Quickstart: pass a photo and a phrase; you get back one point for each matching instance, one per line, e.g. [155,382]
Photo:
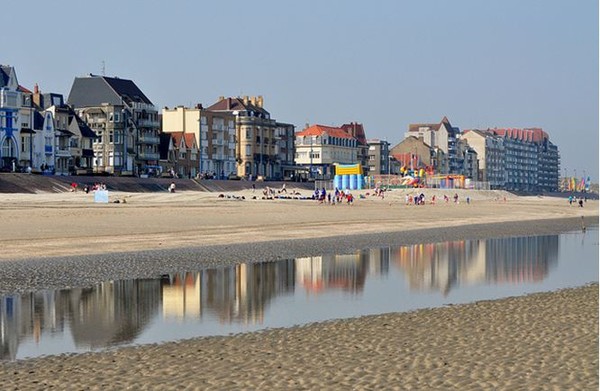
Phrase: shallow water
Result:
[254,296]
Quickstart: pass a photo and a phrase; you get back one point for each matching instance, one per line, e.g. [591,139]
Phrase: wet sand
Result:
[542,341]
[536,342]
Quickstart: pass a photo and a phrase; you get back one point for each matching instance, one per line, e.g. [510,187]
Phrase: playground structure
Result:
[349,176]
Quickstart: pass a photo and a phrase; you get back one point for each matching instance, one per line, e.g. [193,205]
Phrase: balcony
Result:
[147,123]
[9,99]
[148,155]
[148,139]
[63,152]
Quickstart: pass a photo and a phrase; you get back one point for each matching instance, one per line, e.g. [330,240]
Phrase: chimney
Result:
[245,99]
[37,96]
[221,98]
[199,106]
[253,101]
[228,103]
[260,101]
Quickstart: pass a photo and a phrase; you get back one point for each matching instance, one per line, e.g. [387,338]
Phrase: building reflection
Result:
[441,266]
[346,272]
[237,294]
[108,314]
[117,312]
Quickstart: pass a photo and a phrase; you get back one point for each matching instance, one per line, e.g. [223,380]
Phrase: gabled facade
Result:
[125,122]
[414,153]
[185,150]
[10,105]
[443,136]
[319,148]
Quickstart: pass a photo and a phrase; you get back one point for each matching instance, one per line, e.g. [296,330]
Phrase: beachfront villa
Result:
[124,120]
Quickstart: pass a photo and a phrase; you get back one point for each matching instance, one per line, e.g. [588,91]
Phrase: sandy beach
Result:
[541,341]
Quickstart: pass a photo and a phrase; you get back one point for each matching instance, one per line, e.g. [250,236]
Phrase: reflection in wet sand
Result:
[117,312]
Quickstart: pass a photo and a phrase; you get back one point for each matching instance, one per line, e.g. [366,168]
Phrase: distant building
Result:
[10,104]
[257,140]
[185,151]
[516,159]
[379,157]
[443,136]
[413,152]
[286,150]
[125,122]
[357,131]
[214,132]
[319,148]
[490,155]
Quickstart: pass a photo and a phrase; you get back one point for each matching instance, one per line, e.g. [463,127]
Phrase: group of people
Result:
[419,199]
[577,200]
[87,188]
[337,197]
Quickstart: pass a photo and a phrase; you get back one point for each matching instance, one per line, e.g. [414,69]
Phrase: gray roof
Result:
[4,75]
[94,90]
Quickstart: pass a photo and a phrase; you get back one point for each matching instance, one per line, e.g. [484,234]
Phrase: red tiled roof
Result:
[176,138]
[190,139]
[23,89]
[527,134]
[318,130]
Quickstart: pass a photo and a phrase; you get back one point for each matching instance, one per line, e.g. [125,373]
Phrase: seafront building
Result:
[319,148]
[258,137]
[516,159]
[380,160]
[442,136]
[125,122]
[214,133]
[357,130]
[10,105]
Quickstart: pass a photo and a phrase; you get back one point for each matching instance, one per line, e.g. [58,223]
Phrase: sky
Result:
[385,64]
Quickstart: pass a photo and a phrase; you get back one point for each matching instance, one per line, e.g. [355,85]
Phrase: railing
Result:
[145,139]
[147,123]
[9,99]
[63,151]
[149,155]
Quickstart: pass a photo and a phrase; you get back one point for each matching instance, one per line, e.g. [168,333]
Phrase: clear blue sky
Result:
[515,63]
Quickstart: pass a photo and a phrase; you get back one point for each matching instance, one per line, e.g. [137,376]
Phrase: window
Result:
[117,117]
[248,152]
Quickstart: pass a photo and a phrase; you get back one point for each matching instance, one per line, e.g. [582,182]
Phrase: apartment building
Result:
[490,156]
[125,122]
[215,135]
[443,136]
[256,147]
[285,136]
[319,148]
[516,159]
[379,157]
